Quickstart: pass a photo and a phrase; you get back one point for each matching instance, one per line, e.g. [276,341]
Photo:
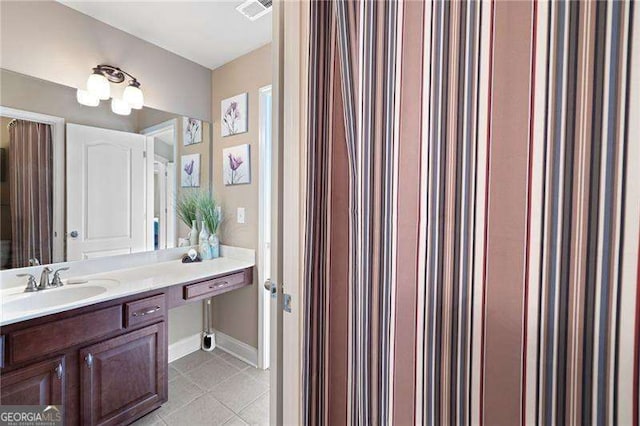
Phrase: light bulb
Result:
[86,98]
[120,107]
[133,96]
[98,86]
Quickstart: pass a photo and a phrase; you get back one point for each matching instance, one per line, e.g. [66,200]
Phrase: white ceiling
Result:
[210,33]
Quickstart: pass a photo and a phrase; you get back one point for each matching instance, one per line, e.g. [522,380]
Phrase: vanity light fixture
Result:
[99,88]
[120,106]
[86,98]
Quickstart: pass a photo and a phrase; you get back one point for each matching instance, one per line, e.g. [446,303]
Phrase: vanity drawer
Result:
[145,310]
[55,336]
[215,286]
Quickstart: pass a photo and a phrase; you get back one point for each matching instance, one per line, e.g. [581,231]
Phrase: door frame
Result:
[160,168]
[58,141]
[152,131]
[291,64]
[264,216]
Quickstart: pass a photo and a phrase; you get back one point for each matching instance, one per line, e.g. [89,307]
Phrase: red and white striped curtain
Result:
[472,229]
[31,192]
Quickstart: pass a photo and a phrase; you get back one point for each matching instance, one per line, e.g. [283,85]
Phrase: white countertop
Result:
[114,284]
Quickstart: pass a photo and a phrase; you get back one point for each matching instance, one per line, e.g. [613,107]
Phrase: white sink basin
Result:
[26,302]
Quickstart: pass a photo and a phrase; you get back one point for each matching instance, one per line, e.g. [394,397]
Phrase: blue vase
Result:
[214,242]
[205,247]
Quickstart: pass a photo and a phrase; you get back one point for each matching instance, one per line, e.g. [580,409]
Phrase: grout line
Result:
[247,405]
[202,392]
[221,385]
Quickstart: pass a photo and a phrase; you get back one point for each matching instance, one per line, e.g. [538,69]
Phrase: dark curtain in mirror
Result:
[31,189]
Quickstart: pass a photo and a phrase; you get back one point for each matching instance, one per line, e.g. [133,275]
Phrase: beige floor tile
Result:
[210,374]
[235,421]
[193,360]
[257,413]
[238,391]
[205,410]
[151,419]
[238,363]
[181,392]
[258,374]
[173,373]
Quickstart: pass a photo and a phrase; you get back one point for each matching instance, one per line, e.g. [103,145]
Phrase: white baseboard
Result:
[235,347]
[184,347]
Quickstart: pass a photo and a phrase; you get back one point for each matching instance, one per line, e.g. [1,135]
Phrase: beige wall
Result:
[50,41]
[236,313]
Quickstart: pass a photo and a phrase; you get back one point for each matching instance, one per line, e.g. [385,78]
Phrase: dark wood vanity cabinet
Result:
[123,377]
[105,363]
[41,383]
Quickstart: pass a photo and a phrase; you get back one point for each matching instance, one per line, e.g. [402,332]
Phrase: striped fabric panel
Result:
[322,52]
[368,103]
[450,148]
[472,242]
[31,189]
[576,252]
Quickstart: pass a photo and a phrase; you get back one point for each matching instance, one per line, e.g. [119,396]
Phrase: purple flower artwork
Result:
[236,165]
[190,173]
[192,131]
[234,115]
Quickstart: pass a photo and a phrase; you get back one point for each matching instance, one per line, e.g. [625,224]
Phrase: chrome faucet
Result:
[44,278]
[45,283]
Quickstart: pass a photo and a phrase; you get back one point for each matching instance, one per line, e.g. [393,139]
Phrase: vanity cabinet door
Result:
[124,377]
[41,383]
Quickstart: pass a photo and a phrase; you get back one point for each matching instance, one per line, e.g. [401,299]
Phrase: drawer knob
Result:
[149,312]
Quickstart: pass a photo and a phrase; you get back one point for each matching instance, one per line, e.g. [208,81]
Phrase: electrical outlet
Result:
[240,214]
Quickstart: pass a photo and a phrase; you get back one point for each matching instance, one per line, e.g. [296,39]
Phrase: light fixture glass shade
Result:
[133,96]
[120,107]
[98,86]
[86,98]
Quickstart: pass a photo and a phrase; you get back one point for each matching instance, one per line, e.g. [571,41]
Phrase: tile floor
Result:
[213,388]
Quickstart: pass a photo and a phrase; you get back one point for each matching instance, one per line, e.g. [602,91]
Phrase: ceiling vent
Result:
[254,9]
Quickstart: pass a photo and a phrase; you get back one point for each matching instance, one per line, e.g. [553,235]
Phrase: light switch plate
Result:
[240,214]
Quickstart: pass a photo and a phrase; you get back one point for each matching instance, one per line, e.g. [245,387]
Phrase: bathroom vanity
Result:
[104,358]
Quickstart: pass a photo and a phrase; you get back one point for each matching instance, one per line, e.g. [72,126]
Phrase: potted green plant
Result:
[187,209]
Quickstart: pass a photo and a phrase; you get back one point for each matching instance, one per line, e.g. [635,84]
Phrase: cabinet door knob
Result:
[59,370]
[89,360]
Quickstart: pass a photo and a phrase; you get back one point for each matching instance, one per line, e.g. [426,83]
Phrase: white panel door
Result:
[107,194]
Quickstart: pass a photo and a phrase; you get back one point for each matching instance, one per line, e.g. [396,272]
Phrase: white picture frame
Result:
[236,165]
[233,115]
[191,131]
[190,171]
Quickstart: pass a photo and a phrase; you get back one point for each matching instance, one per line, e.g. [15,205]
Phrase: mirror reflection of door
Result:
[107,192]
[163,193]
[164,182]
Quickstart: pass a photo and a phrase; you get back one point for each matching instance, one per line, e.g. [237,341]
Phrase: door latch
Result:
[286,302]
[270,286]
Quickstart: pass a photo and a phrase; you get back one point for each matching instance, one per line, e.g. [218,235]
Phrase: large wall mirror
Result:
[79,182]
